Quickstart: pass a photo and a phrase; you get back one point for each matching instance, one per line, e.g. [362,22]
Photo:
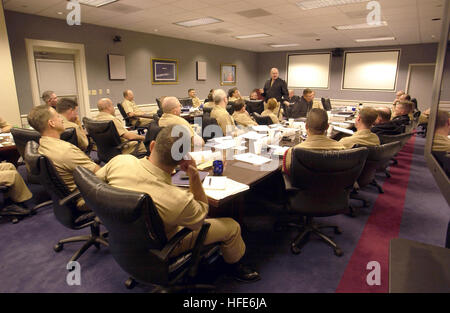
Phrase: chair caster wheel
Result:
[130,283]
[338,252]
[337,231]
[58,247]
[15,220]
[97,245]
[295,249]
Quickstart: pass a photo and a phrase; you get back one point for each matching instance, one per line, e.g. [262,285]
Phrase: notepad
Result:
[343,130]
[182,180]
[215,183]
[231,188]
[252,158]
[261,128]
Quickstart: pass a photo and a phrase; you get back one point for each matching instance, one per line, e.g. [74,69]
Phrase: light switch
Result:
[107,91]
[100,91]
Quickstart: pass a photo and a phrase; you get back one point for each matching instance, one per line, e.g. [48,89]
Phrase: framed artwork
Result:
[116,67]
[164,71]
[227,74]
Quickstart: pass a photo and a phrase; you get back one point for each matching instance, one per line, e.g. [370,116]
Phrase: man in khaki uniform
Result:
[18,191]
[68,109]
[363,136]
[133,111]
[64,155]
[177,207]
[107,113]
[441,141]
[219,112]
[316,127]
[49,97]
[171,108]
[241,115]
[195,101]
[4,126]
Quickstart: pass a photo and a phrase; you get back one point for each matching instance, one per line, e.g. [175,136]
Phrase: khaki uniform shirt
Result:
[233,99]
[223,118]
[82,139]
[177,207]
[272,115]
[169,119]
[209,104]
[244,119]
[3,124]
[441,143]
[313,142]
[65,157]
[121,130]
[196,102]
[363,137]
[131,107]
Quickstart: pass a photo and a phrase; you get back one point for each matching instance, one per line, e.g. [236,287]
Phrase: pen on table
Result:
[210,181]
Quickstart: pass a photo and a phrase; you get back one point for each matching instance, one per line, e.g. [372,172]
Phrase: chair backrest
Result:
[207,120]
[207,110]
[262,120]
[134,225]
[326,104]
[21,136]
[403,138]
[377,157]
[254,106]
[325,178]
[158,102]
[105,136]
[43,167]
[152,132]
[124,115]
[70,135]
[230,107]
[443,158]
[415,107]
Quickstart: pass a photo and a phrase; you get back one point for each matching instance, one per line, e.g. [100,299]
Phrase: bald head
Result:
[274,73]
[171,105]
[105,105]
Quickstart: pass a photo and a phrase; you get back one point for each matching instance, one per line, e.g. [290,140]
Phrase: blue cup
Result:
[217,167]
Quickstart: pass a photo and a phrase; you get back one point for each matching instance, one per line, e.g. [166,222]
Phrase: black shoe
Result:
[15,210]
[244,273]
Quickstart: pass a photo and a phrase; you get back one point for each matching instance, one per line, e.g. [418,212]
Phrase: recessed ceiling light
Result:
[360,26]
[199,22]
[252,36]
[96,3]
[375,39]
[285,45]
[316,4]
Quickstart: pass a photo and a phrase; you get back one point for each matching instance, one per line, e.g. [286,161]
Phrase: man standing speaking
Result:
[275,87]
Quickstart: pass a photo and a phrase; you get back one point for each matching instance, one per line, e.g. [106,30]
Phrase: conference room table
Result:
[8,150]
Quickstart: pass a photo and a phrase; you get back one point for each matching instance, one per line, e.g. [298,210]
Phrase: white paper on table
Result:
[232,188]
[261,128]
[343,130]
[225,145]
[252,158]
[215,183]
[220,139]
[278,150]
[252,135]
[204,156]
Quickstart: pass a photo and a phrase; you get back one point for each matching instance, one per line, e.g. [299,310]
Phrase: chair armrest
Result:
[171,244]
[199,244]
[73,196]
[126,142]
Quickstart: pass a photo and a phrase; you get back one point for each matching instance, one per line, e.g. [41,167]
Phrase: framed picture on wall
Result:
[164,71]
[227,74]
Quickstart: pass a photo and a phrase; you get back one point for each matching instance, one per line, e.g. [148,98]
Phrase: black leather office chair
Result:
[254,106]
[326,104]
[156,118]
[127,120]
[319,185]
[403,138]
[443,159]
[207,132]
[137,238]
[153,131]
[158,102]
[64,203]
[378,155]
[262,120]
[207,110]
[230,107]
[107,139]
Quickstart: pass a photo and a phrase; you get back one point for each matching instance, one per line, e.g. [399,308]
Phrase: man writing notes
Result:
[177,207]
[132,110]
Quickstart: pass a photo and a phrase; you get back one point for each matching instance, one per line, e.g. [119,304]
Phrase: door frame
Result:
[408,77]
[77,50]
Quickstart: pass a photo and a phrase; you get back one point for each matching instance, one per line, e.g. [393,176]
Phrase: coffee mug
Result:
[217,167]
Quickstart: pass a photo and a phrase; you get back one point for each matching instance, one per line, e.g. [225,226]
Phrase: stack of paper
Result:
[252,158]
[215,183]
[261,128]
[182,180]
[278,150]
[252,135]
[343,130]
[231,188]
[201,157]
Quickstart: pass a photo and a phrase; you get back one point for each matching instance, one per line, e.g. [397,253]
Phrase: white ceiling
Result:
[409,21]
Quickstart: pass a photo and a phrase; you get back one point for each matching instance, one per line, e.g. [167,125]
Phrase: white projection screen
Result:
[309,70]
[371,70]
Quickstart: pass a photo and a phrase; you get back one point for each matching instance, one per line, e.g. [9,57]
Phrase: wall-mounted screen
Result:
[309,70]
[371,70]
